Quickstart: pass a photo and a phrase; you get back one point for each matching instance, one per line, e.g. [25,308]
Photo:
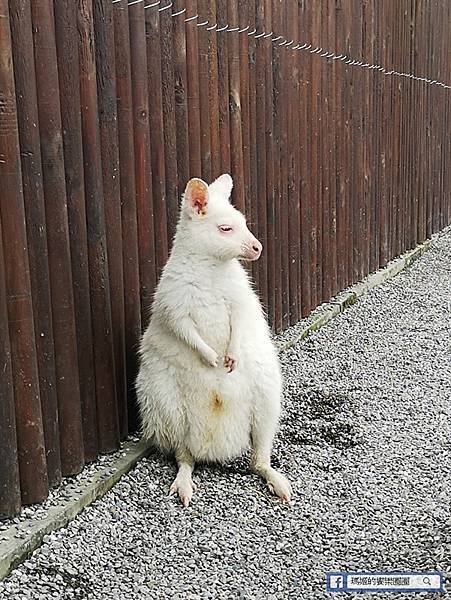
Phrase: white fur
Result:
[209,380]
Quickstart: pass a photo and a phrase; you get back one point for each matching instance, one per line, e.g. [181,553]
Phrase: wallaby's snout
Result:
[253,249]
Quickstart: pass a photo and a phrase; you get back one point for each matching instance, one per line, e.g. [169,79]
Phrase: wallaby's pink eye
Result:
[225,228]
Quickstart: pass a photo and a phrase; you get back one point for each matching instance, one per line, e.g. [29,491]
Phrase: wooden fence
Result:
[105,113]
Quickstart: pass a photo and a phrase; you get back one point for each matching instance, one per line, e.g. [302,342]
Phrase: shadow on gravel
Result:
[75,585]
[318,418]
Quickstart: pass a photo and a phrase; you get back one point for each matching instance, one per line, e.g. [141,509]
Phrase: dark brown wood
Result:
[171,146]
[208,91]
[236,134]
[27,110]
[66,30]
[340,148]
[65,339]
[261,150]
[305,199]
[253,220]
[315,282]
[29,427]
[192,75]
[283,167]
[9,465]
[381,115]
[223,88]
[149,168]
[331,109]
[271,210]
[276,289]
[107,413]
[140,32]
[209,79]
[293,162]
[243,70]
[130,256]
[181,110]
[106,93]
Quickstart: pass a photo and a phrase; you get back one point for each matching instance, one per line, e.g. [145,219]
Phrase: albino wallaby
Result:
[209,381]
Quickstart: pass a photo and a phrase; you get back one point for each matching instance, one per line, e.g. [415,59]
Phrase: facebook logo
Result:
[336,582]
[393,581]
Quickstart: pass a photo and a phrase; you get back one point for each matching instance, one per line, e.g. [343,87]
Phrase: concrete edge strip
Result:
[16,549]
[346,299]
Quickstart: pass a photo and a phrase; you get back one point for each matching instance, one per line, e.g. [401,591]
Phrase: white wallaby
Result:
[209,381]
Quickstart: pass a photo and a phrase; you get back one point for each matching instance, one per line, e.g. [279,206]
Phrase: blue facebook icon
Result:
[335,582]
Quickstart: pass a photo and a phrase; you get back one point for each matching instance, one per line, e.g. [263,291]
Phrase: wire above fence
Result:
[282,42]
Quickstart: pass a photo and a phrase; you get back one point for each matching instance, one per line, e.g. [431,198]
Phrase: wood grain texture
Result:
[16,276]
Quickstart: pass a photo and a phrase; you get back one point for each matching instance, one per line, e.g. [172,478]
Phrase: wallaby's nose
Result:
[257,248]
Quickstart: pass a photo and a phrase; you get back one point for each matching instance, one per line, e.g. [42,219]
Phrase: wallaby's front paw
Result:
[230,363]
[184,487]
[210,357]
[279,485]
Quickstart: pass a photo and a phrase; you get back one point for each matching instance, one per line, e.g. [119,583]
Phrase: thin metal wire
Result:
[326,54]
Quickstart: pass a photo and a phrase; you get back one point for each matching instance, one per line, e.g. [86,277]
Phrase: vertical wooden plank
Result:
[68,74]
[276,108]
[339,143]
[9,465]
[372,139]
[447,110]
[330,147]
[413,142]
[223,87]
[435,127]
[366,217]
[283,165]
[384,214]
[419,67]
[181,107]
[149,148]
[332,152]
[170,145]
[272,241]
[427,126]
[394,134]
[252,127]
[404,201]
[65,341]
[107,414]
[243,70]
[236,134]
[324,161]
[212,147]
[208,91]
[192,67]
[261,150]
[130,258]
[30,434]
[106,94]
[356,151]
[293,163]
[315,282]
[27,113]
[139,29]
[304,146]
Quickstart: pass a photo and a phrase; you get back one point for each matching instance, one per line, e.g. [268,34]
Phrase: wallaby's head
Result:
[215,228]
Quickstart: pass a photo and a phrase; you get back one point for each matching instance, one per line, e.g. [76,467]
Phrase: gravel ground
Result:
[365,439]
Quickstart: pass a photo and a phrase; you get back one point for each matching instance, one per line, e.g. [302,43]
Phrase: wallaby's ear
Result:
[222,185]
[195,198]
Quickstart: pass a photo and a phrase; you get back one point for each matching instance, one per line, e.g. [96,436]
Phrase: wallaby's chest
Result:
[211,313]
